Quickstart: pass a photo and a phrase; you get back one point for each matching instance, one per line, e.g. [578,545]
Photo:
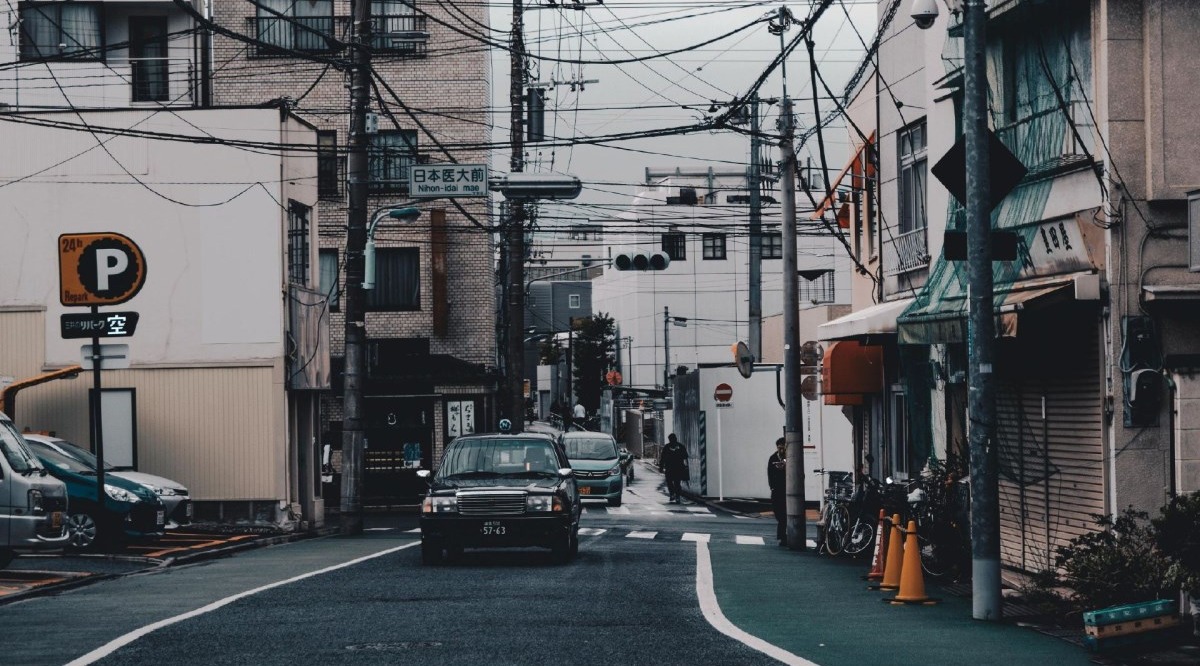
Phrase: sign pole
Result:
[97,414]
[720,462]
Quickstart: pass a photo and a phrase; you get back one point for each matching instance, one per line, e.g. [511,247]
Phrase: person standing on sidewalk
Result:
[777,481]
[673,461]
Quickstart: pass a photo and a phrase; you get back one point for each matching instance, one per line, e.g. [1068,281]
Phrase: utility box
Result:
[730,423]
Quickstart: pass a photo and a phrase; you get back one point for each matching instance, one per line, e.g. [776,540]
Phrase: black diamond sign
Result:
[1004,169]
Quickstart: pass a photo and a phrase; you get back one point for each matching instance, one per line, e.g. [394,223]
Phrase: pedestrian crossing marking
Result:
[619,510]
[692,536]
[591,531]
[382,529]
[698,509]
[749,540]
[738,515]
[415,530]
[641,535]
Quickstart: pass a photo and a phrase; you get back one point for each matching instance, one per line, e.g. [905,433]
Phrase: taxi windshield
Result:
[483,458]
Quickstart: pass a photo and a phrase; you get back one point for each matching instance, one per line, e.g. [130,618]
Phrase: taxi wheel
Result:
[565,547]
[431,552]
[6,557]
[82,530]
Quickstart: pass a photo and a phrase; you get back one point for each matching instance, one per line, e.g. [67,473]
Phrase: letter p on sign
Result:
[99,269]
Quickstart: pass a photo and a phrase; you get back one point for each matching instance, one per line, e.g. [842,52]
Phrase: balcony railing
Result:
[402,35]
[906,252]
[1045,142]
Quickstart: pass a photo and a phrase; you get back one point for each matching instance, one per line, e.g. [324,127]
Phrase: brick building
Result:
[430,319]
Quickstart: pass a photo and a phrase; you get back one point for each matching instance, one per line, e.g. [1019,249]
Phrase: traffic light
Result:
[641,261]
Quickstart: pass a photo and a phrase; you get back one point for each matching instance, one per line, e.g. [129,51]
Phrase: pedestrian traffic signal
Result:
[642,261]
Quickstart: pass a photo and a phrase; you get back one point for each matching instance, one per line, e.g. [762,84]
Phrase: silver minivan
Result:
[32,503]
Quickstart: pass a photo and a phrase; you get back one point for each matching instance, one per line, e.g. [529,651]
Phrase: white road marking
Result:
[415,530]
[738,515]
[749,540]
[692,536]
[712,612]
[641,535]
[382,529]
[121,641]
[698,509]
[619,510]
[591,531]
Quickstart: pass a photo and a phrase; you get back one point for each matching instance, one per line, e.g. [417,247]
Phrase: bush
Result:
[1119,564]
[1177,533]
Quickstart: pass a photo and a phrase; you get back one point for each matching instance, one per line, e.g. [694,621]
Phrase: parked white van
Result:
[32,503]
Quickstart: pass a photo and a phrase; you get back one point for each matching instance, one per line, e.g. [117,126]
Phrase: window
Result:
[899,444]
[328,268]
[816,286]
[772,245]
[573,301]
[61,30]
[675,245]
[328,183]
[397,27]
[390,155]
[298,215]
[584,232]
[294,25]
[397,280]
[913,174]
[713,246]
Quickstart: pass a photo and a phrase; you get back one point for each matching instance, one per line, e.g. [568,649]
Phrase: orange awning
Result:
[850,370]
[859,167]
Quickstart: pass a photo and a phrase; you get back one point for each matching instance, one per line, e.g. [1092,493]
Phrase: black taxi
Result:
[497,491]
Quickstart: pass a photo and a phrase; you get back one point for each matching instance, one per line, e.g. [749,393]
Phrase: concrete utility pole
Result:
[356,240]
[514,363]
[797,531]
[754,181]
[666,349]
[985,511]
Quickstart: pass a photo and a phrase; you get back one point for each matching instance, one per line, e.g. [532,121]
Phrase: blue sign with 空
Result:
[101,325]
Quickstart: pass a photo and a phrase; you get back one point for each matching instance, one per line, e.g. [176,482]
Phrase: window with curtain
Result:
[772,245]
[713,246]
[397,280]
[389,156]
[328,267]
[913,177]
[295,25]
[61,30]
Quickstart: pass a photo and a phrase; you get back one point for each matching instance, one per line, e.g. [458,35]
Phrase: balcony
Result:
[398,35]
[1045,142]
[906,252]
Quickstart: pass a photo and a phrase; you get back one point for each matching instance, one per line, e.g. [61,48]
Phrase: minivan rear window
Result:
[18,455]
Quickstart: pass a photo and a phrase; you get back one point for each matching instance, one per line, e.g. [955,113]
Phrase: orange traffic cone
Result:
[876,572]
[912,579]
[895,553]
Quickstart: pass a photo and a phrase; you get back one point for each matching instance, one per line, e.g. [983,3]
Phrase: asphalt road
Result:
[630,597]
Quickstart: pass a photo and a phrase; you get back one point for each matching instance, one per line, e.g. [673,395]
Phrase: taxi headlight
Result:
[433,505]
[540,503]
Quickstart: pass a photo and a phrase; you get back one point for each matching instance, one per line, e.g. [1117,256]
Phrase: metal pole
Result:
[97,414]
[754,180]
[797,531]
[514,362]
[356,240]
[981,408]
[666,349]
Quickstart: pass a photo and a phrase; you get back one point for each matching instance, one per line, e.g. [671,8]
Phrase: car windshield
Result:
[19,457]
[56,459]
[83,455]
[590,448]
[486,458]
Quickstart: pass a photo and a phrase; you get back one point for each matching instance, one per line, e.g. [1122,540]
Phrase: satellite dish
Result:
[743,359]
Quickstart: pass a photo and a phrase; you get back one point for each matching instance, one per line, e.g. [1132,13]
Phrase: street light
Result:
[406,214]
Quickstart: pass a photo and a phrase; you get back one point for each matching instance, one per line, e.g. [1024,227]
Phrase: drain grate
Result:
[392,647]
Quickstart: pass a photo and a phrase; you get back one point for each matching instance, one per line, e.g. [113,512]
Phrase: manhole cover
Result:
[392,647]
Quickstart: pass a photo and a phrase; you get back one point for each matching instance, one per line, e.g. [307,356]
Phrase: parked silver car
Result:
[32,503]
[173,494]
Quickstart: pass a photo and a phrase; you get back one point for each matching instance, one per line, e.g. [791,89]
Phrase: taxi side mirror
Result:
[423,473]
[566,472]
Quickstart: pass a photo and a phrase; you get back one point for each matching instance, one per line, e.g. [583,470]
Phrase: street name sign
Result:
[99,269]
[101,325]
[448,180]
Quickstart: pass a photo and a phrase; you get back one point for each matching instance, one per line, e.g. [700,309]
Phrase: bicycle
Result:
[834,523]
[939,532]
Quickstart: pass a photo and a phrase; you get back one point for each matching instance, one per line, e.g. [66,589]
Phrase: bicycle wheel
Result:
[937,548]
[860,537]
[837,526]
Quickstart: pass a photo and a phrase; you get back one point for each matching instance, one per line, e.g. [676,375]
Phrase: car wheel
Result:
[454,553]
[6,557]
[565,547]
[574,542]
[431,552]
[614,501]
[82,530]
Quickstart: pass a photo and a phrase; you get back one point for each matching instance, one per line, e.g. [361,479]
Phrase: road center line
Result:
[712,612]
[121,641]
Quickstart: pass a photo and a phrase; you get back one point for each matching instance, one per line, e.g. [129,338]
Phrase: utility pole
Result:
[985,511]
[666,349]
[797,530]
[754,180]
[356,240]
[514,362]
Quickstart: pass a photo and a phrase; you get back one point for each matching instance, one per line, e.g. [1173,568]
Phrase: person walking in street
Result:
[777,481]
[673,461]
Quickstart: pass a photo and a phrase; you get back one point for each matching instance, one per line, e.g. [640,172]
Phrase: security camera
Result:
[924,13]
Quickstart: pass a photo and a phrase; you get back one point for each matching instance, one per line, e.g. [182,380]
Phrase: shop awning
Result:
[849,370]
[879,319]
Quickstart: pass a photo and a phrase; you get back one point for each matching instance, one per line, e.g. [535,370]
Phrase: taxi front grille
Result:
[491,504]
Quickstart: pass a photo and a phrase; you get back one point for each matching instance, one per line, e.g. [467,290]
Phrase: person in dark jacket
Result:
[673,461]
[777,481]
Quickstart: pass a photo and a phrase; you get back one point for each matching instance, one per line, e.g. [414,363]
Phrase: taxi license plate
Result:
[585,490]
[493,528]
[56,519]
[160,517]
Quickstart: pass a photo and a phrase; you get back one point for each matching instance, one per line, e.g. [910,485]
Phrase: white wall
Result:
[215,274]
